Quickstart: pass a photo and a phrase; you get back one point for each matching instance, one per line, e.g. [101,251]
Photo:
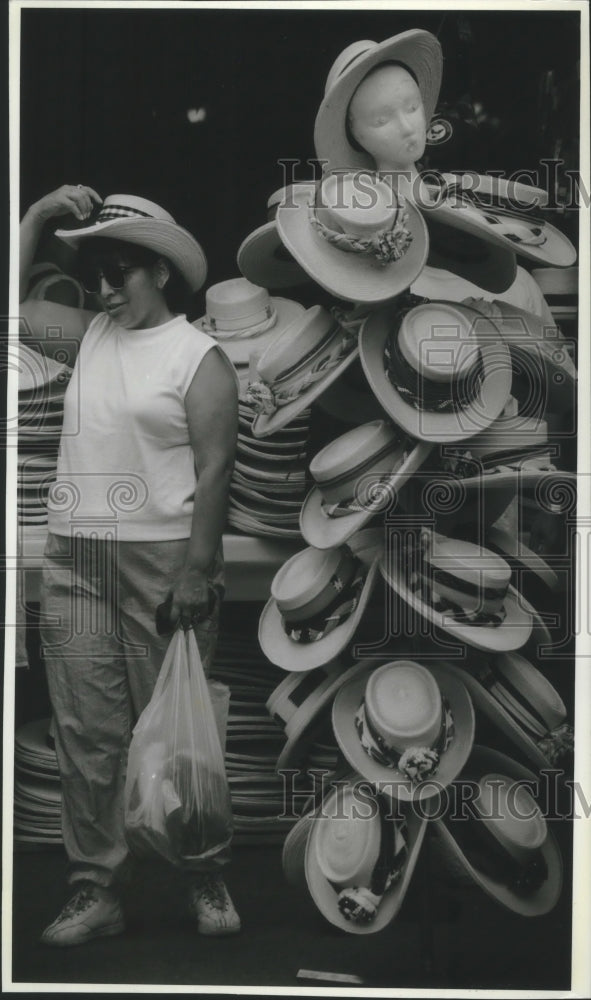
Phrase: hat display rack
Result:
[452,453]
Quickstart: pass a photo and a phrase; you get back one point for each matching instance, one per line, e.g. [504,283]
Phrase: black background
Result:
[104,95]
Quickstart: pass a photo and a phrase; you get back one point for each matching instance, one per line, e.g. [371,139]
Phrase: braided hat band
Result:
[385,246]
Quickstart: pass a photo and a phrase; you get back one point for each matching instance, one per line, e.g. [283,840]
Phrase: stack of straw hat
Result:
[269,478]
[42,384]
[37,792]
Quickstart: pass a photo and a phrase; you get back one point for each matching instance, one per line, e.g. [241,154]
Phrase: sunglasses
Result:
[114,274]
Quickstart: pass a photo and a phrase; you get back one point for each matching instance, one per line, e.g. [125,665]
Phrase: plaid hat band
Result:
[121,212]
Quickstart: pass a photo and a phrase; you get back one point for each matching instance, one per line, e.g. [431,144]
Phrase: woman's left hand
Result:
[190,598]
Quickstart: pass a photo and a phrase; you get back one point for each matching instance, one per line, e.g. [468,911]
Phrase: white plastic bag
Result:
[177,799]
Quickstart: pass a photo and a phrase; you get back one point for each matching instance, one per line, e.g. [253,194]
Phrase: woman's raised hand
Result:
[76,199]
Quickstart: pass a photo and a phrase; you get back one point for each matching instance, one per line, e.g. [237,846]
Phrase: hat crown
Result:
[352,448]
[438,340]
[470,562]
[403,704]
[511,814]
[345,59]
[283,195]
[304,575]
[299,339]
[131,206]
[346,841]
[358,203]
[236,304]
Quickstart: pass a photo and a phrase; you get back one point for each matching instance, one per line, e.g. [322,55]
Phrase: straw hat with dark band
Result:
[407,729]
[137,220]
[506,847]
[442,371]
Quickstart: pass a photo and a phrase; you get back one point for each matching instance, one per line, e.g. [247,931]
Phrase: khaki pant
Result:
[103,655]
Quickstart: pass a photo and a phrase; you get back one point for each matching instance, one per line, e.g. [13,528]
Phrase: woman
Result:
[135,519]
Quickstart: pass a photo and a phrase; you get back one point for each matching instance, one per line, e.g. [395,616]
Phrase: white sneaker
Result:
[92,912]
[210,903]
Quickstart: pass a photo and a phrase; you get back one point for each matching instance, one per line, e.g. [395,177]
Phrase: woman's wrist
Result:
[37,214]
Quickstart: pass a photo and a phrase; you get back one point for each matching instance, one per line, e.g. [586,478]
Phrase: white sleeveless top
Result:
[126,467]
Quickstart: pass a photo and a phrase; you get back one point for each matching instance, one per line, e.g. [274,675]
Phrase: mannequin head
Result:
[386,118]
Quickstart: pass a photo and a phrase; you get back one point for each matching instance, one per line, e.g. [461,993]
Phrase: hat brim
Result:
[498,715]
[291,506]
[290,655]
[252,526]
[492,395]
[557,250]
[324,532]
[486,761]
[512,634]
[350,276]
[265,513]
[265,424]
[494,271]
[263,259]
[325,896]
[417,49]
[240,350]
[514,551]
[160,235]
[483,499]
[390,780]
[244,451]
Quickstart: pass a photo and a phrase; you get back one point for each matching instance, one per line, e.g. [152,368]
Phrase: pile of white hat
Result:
[269,479]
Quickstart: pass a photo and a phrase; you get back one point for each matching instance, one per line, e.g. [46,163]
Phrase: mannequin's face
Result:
[387,118]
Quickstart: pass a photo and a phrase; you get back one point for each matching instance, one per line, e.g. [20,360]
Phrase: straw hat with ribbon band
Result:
[354,857]
[461,588]
[318,600]
[472,256]
[459,202]
[487,472]
[48,281]
[137,220]
[244,318]
[542,363]
[356,477]
[523,704]
[262,257]
[503,842]
[441,371]
[297,366]
[355,237]
[405,728]
[418,50]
